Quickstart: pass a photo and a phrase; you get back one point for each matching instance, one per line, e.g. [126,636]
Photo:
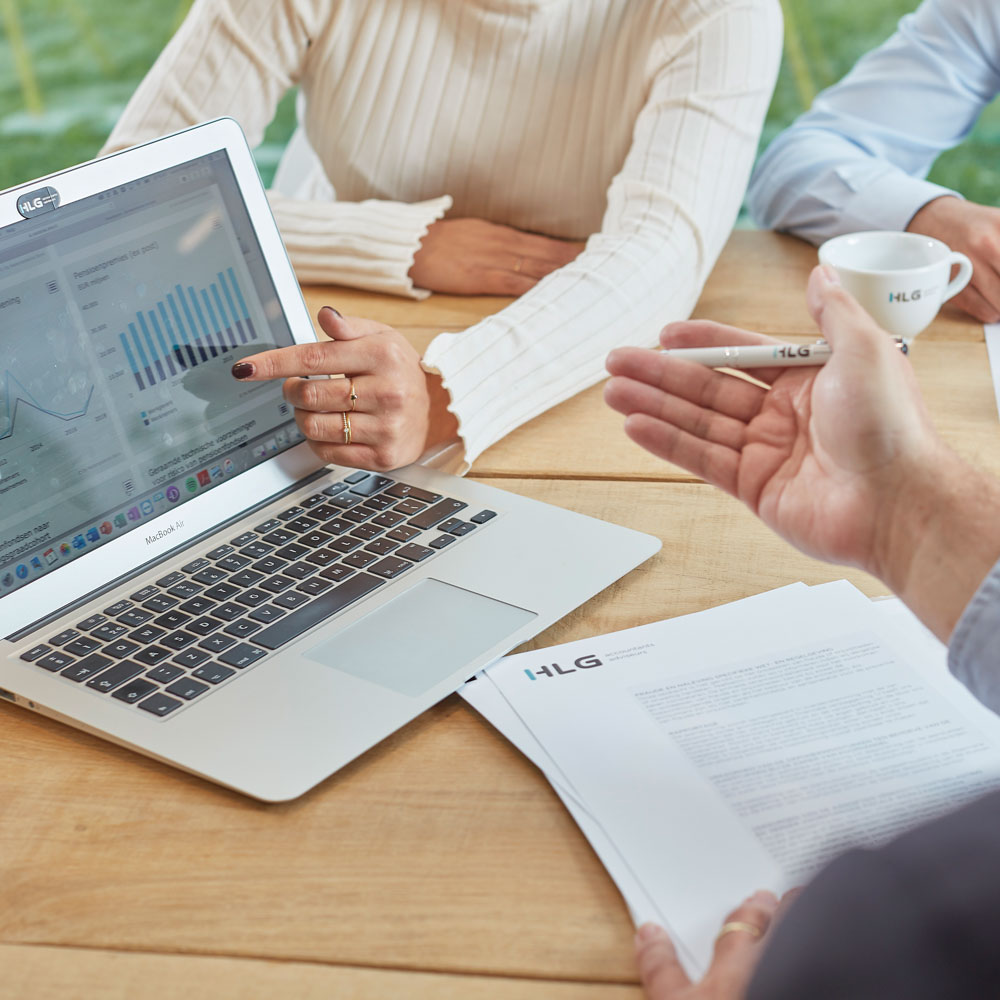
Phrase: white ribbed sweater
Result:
[631,122]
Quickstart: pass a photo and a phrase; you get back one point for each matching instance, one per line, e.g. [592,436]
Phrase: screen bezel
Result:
[42,598]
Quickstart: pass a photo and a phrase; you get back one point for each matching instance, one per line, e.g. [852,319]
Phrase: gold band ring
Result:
[519,265]
[353,396]
[739,925]
[347,428]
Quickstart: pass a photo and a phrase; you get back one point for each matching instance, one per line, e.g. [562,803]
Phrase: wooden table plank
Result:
[440,850]
[440,312]
[44,973]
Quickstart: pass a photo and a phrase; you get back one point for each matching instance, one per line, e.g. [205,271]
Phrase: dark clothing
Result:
[915,919]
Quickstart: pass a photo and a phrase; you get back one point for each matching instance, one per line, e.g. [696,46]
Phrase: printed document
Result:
[742,747]
[992,331]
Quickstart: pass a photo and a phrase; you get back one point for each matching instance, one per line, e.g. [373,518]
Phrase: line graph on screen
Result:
[15,393]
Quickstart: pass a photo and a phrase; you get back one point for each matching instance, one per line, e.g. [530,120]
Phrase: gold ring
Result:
[518,265]
[739,925]
[347,428]
[353,397]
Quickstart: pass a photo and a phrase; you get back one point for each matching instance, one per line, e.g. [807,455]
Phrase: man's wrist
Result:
[939,538]
[934,215]
[914,505]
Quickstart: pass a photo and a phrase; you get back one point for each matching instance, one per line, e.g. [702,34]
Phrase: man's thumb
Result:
[840,318]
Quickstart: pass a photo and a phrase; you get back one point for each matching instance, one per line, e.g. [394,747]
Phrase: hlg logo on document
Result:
[553,669]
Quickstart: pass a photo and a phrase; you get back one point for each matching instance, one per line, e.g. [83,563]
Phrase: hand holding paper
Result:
[737,949]
[742,747]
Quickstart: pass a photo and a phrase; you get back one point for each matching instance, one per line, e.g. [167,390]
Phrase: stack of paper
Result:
[740,748]
[992,331]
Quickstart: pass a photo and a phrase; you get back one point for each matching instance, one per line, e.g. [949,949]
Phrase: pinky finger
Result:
[355,456]
[715,463]
[976,305]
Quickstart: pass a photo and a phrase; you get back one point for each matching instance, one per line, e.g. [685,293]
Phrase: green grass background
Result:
[67,67]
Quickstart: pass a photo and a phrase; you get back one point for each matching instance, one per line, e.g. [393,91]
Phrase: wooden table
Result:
[440,864]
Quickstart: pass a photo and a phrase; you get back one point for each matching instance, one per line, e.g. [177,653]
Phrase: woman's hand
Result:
[475,257]
[400,409]
[737,949]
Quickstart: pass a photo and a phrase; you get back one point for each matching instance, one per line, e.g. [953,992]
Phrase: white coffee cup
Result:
[900,278]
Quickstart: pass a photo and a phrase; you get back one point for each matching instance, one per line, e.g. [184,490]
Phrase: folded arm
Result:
[857,159]
[670,210]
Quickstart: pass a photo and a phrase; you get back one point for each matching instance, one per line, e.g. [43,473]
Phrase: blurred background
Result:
[67,67]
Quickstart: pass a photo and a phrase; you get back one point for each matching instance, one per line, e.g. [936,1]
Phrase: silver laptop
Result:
[178,572]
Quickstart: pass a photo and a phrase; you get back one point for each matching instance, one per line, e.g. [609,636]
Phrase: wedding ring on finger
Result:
[732,926]
[347,428]
[352,396]
[519,265]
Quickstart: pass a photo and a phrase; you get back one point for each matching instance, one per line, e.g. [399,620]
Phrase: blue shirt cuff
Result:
[886,202]
[974,650]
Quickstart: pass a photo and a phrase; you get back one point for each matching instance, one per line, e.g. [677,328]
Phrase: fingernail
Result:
[830,274]
[647,933]
[243,369]
[336,312]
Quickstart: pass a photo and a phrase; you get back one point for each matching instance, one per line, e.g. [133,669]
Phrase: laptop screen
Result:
[120,317]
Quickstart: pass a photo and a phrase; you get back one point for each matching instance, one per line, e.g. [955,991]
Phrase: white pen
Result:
[762,355]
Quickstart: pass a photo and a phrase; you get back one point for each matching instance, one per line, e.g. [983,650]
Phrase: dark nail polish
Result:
[336,312]
[243,369]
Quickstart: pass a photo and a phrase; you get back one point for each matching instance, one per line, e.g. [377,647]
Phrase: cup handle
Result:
[963,277]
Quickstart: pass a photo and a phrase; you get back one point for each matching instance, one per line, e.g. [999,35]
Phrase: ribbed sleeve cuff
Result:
[522,361]
[367,244]
[551,343]
[973,650]
[472,386]
[890,202]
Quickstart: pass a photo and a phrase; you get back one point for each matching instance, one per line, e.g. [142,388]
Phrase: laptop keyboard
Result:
[177,639]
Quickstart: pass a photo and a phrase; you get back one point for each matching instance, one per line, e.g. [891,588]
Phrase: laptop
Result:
[179,573]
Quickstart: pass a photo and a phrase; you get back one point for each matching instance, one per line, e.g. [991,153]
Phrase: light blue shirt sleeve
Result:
[974,650]
[857,160]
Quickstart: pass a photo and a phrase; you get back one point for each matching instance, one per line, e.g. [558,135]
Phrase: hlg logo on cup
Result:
[912,296]
[40,200]
[553,669]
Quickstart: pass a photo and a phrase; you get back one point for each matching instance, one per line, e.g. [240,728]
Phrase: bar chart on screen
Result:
[166,307]
[185,328]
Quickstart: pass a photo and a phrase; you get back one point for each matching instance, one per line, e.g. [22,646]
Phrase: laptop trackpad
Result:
[417,639]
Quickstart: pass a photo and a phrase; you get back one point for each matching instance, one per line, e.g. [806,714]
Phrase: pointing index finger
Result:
[322,358]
